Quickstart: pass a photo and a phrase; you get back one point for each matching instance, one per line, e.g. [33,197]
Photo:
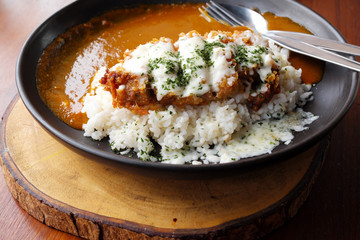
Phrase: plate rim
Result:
[272,157]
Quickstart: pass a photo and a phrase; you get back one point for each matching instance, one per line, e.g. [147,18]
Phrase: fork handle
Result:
[313,51]
[320,42]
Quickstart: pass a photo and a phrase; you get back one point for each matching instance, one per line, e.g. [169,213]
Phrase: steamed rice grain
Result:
[222,131]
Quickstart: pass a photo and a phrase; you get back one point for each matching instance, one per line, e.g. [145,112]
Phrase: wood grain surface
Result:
[99,200]
[332,210]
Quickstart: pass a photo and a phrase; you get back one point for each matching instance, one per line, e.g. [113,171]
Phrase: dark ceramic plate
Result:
[333,95]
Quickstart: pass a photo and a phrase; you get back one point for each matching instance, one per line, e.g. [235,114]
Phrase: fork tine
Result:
[218,15]
[226,14]
[212,13]
[205,14]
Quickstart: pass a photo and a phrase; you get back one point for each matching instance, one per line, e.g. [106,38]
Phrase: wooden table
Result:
[332,209]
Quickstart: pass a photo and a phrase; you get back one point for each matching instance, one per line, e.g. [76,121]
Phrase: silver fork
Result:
[302,43]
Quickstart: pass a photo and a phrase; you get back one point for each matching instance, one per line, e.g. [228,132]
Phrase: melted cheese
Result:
[195,64]
[152,60]
[223,66]
[262,137]
[194,67]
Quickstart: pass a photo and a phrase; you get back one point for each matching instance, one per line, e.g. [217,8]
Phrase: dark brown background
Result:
[332,210]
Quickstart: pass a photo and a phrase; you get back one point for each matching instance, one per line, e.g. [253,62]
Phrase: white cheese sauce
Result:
[194,67]
[222,64]
[158,61]
[195,64]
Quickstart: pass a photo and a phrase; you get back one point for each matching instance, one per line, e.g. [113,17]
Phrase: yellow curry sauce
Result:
[312,68]
[68,64]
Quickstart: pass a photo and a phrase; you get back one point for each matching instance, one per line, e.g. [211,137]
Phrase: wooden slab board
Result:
[94,200]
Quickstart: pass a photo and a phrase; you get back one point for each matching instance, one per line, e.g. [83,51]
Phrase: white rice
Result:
[223,131]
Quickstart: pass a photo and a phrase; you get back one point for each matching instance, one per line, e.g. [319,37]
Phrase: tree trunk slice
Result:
[94,200]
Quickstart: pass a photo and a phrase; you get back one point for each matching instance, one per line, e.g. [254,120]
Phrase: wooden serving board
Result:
[94,200]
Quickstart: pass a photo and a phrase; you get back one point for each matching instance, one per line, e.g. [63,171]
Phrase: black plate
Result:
[333,95]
